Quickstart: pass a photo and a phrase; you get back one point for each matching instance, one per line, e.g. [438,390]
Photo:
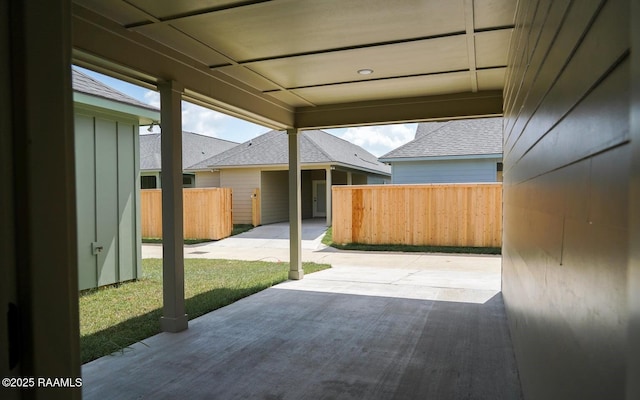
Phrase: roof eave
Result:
[318,165]
[145,115]
[440,158]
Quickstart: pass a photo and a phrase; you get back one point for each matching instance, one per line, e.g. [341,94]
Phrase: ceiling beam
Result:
[107,45]
[471,43]
[171,18]
[345,48]
[443,107]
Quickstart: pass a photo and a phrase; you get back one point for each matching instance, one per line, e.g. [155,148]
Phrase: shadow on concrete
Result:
[290,344]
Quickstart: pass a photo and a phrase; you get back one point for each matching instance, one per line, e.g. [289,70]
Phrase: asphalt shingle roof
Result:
[83,83]
[316,147]
[195,148]
[452,138]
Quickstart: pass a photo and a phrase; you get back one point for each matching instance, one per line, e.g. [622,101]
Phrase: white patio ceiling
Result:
[295,63]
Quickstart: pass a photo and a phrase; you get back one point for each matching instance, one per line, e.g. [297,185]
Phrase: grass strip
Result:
[328,241]
[114,317]
[237,228]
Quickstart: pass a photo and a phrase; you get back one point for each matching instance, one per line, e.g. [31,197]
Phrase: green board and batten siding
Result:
[107,179]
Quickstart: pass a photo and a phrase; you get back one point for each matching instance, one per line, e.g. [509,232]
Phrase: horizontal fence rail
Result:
[464,215]
[207,213]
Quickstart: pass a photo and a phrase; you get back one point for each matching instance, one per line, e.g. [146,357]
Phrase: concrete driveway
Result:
[424,276]
[264,237]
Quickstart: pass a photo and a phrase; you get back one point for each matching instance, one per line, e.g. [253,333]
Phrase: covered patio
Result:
[402,330]
[565,75]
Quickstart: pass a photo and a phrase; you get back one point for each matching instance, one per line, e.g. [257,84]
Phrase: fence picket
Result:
[437,215]
[207,213]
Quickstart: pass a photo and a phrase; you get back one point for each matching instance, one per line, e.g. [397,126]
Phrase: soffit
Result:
[264,60]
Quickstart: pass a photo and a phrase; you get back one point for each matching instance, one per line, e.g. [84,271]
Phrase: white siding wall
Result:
[445,171]
[275,196]
[207,179]
[242,181]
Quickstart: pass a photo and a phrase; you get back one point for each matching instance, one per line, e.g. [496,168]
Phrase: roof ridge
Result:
[209,137]
[415,139]
[443,124]
[239,149]
[374,163]
[346,141]
[317,146]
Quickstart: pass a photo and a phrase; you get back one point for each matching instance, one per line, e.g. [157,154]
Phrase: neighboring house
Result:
[262,164]
[195,148]
[107,173]
[455,151]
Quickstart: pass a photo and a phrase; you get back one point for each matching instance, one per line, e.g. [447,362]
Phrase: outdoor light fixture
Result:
[365,71]
[150,129]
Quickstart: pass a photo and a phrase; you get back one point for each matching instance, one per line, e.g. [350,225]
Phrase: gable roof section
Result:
[316,147]
[195,148]
[456,138]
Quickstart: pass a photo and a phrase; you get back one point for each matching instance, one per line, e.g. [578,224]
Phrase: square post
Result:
[295,207]
[38,224]
[633,289]
[328,196]
[174,318]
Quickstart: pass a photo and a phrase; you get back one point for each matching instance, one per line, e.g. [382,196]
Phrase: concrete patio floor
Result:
[374,326]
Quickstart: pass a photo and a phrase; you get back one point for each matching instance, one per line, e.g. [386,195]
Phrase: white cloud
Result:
[207,122]
[377,140]
[380,139]
[152,98]
[201,120]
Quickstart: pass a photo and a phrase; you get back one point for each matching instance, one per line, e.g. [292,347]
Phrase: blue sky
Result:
[378,140]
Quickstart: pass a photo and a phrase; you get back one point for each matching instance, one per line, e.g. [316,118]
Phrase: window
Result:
[148,182]
[188,181]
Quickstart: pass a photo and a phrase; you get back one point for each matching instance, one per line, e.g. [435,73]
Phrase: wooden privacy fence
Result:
[466,215]
[207,213]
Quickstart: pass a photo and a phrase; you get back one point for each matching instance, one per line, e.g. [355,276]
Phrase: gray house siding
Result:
[207,179]
[445,171]
[371,180]
[566,202]
[275,200]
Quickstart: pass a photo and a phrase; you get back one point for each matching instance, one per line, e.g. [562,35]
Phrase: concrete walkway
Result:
[374,326]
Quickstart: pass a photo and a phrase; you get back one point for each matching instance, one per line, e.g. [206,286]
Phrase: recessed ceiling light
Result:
[365,71]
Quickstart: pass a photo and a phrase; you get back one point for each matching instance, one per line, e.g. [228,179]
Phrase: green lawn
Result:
[328,240]
[112,318]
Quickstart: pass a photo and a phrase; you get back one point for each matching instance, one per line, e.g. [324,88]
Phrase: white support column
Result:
[329,195]
[349,178]
[295,207]
[173,318]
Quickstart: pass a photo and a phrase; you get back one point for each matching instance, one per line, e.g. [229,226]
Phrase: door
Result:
[319,192]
